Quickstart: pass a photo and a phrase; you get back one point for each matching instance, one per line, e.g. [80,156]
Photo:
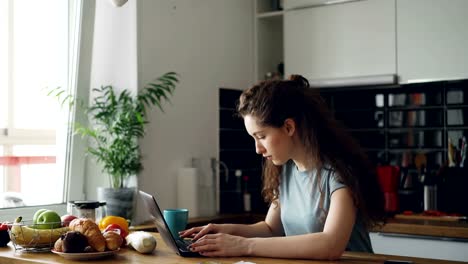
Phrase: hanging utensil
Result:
[420,160]
[463,152]
[451,153]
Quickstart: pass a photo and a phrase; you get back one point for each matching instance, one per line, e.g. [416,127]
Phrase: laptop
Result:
[178,245]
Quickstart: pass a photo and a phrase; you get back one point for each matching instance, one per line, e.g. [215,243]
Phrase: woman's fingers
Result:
[199,242]
[199,231]
[219,244]
[204,245]
[190,232]
[203,232]
[208,237]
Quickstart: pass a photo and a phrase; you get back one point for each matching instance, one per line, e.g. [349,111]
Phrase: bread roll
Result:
[58,245]
[91,230]
[113,240]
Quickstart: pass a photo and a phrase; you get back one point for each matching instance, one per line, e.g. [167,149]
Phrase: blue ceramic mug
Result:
[176,219]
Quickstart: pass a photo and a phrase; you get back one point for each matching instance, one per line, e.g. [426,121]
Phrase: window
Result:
[3,68]
[38,47]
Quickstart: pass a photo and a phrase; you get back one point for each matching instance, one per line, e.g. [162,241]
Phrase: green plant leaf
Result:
[116,120]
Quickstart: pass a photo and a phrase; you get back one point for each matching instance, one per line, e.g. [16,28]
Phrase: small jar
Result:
[101,212]
[85,209]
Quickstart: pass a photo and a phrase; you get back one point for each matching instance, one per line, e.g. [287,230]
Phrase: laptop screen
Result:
[157,217]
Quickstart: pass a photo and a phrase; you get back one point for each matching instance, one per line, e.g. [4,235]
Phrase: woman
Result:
[322,191]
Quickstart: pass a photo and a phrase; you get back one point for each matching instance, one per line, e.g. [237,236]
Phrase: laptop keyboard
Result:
[183,244]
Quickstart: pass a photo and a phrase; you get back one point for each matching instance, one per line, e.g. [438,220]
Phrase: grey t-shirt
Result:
[301,213]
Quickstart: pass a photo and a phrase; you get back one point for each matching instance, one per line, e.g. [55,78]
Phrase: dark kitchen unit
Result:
[240,188]
[411,127]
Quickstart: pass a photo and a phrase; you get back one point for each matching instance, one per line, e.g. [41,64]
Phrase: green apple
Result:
[47,220]
[36,215]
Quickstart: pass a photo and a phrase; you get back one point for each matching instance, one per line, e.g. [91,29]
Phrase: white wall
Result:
[210,44]
[114,62]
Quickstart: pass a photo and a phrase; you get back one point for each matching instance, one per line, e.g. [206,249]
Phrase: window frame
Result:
[74,160]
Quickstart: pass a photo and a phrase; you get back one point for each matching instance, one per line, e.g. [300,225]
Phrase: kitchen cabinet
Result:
[268,39]
[419,246]
[342,40]
[432,40]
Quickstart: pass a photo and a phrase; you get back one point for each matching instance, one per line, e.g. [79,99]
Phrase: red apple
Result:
[66,219]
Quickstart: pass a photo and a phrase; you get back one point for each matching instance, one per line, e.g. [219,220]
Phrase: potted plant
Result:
[116,121]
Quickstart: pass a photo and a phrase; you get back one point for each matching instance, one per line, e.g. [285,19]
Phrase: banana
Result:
[26,236]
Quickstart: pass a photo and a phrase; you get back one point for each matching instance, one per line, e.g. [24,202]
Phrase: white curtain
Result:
[81,42]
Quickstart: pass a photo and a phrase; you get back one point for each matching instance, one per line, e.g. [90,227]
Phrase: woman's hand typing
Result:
[199,231]
[220,244]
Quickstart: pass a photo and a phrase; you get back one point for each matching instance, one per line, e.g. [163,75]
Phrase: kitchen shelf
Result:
[457,127]
[267,6]
[415,107]
[414,128]
[271,14]
[456,106]
[390,149]
[375,126]
[268,40]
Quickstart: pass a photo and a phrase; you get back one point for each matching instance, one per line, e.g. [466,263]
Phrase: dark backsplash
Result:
[394,124]
[398,125]
[391,122]
[237,151]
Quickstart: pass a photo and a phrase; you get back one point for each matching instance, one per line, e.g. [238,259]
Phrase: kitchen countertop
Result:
[163,254]
[430,228]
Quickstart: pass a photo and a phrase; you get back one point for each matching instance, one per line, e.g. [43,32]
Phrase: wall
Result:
[210,44]
[114,62]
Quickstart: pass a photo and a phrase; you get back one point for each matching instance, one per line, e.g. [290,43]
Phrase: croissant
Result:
[91,230]
[113,240]
[58,245]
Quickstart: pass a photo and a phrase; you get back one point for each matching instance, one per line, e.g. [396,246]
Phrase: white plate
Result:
[85,256]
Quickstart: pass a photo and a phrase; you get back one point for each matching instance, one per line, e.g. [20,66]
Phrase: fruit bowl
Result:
[27,236]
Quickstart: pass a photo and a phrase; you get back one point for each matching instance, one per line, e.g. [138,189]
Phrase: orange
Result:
[111,219]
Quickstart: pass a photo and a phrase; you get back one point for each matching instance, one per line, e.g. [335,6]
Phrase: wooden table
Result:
[163,254]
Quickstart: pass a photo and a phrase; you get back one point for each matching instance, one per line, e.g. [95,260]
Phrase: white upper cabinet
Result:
[342,40]
[432,40]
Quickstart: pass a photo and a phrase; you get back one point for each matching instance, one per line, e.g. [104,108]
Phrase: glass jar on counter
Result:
[93,210]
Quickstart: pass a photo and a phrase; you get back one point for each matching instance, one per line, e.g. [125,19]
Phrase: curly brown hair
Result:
[324,138]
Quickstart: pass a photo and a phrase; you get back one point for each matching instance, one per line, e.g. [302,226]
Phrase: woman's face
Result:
[272,143]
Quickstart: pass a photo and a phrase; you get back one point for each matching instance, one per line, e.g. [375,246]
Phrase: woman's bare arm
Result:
[329,244]
[270,227]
